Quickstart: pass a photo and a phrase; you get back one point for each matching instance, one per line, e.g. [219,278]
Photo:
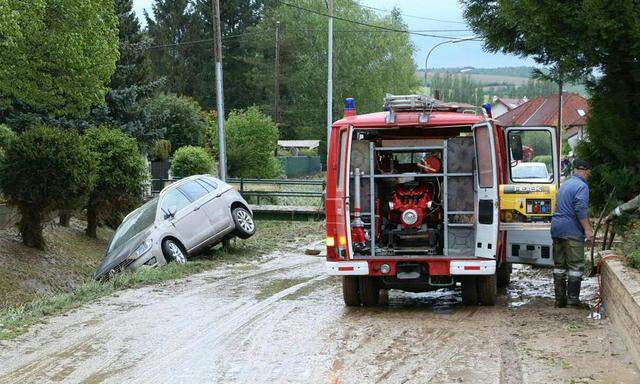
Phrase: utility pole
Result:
[276,85]
[559,122]
[330,74]
[217,51]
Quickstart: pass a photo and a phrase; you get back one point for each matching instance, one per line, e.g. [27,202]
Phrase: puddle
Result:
[530,284]
[441,301]
[275,286]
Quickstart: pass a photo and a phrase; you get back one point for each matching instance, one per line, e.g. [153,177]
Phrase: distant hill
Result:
[496,78]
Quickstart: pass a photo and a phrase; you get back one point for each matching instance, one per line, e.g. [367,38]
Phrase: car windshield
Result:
[139,220]
[530,172]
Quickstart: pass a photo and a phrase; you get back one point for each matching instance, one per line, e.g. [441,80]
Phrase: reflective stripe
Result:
[558,271]
[575,273]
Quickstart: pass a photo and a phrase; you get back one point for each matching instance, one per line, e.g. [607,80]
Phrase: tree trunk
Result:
[30,227]
[92,221]
[64,217]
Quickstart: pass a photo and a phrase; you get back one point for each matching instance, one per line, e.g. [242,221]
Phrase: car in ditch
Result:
[187,217]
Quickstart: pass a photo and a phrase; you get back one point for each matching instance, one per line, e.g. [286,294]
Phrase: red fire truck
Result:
[426,195]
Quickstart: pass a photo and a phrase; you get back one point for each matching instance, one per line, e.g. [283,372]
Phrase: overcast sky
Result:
[449,55]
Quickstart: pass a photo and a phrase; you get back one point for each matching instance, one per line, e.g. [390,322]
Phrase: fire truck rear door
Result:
[486,241]
[530,195]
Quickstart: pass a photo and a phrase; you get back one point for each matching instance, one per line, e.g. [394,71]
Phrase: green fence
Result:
[296,166]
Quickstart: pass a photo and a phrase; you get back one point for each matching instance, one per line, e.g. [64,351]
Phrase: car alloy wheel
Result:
[175,252]
[245,220]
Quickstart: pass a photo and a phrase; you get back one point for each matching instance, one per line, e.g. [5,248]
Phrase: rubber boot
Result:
[573,291]
[560,285]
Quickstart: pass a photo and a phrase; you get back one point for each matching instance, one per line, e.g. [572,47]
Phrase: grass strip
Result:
[273,235]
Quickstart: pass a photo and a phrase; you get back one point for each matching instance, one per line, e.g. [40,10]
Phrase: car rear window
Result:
[193,190]
[208,184]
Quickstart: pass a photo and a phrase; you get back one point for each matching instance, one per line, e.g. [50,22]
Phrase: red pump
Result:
[410,205]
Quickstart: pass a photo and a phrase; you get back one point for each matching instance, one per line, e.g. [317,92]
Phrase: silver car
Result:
[188,216]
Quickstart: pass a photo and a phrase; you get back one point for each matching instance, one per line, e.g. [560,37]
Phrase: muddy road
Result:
[283,321]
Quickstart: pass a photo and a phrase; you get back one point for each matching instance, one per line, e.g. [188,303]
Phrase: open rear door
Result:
[487,192]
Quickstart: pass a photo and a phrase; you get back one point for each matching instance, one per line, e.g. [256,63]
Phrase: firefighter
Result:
[570,228]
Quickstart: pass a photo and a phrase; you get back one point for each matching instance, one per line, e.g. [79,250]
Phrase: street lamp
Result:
[426,61]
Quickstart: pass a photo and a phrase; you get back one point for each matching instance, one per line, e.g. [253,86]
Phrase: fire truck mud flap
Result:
[347,268]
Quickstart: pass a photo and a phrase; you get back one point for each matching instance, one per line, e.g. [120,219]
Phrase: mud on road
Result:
[283,321]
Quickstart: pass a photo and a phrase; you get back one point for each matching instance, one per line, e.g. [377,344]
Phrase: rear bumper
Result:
[437,267]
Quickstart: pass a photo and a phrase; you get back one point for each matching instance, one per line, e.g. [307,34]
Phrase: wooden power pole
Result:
[276,85]
[217,51]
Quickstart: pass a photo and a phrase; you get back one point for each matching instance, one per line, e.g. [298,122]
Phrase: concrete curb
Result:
[621,294]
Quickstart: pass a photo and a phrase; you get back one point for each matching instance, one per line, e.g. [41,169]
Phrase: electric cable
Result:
[412,16]
[362,23]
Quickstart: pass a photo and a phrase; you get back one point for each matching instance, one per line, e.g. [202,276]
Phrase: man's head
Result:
[582,168]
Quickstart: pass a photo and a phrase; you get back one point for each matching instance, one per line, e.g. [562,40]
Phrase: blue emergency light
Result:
[487,108]
[349,104]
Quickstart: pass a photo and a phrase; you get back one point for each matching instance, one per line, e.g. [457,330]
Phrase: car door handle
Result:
[196,208]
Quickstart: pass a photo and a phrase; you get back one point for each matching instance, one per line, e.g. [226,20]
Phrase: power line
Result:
[414,17]
[362,23]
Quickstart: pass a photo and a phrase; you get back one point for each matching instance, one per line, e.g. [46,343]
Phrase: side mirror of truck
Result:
[515,145]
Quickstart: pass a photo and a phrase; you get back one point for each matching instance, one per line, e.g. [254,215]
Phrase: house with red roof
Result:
[502,105]
[543,110]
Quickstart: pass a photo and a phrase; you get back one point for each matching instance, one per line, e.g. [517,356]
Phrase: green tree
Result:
[57,55]
[368,63]
[7,135]
[251,139]
[178,119]
[577,37]
[191,160]
[121,172]
[131,82]
[237,16]
[167,27]
[45,169]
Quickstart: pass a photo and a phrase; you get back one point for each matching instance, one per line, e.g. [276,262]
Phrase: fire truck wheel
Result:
[470,290]
[369,291]
[504,274]
[487,289]
[350,291]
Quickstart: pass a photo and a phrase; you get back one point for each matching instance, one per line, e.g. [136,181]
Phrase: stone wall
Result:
[621,292]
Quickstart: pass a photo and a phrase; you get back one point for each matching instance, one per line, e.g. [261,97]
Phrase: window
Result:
[483,157]
[174,198]
[208,183]
[342,159]
[531,156]
[193,190]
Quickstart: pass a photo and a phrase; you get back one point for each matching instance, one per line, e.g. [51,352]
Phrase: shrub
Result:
[121,171]
[45,169]
[179,118]
[190,160]
[251,138]
[160,150]
[6,136]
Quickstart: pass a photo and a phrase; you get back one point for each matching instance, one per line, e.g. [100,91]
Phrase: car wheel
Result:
[470,290]
[173,252]
[245,226]
[487,289]
[369,291]
[504,274]
[350,292]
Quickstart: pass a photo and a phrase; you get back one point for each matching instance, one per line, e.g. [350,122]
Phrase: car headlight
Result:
[142,249]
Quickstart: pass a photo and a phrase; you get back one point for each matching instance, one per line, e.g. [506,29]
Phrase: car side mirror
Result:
[515,142]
